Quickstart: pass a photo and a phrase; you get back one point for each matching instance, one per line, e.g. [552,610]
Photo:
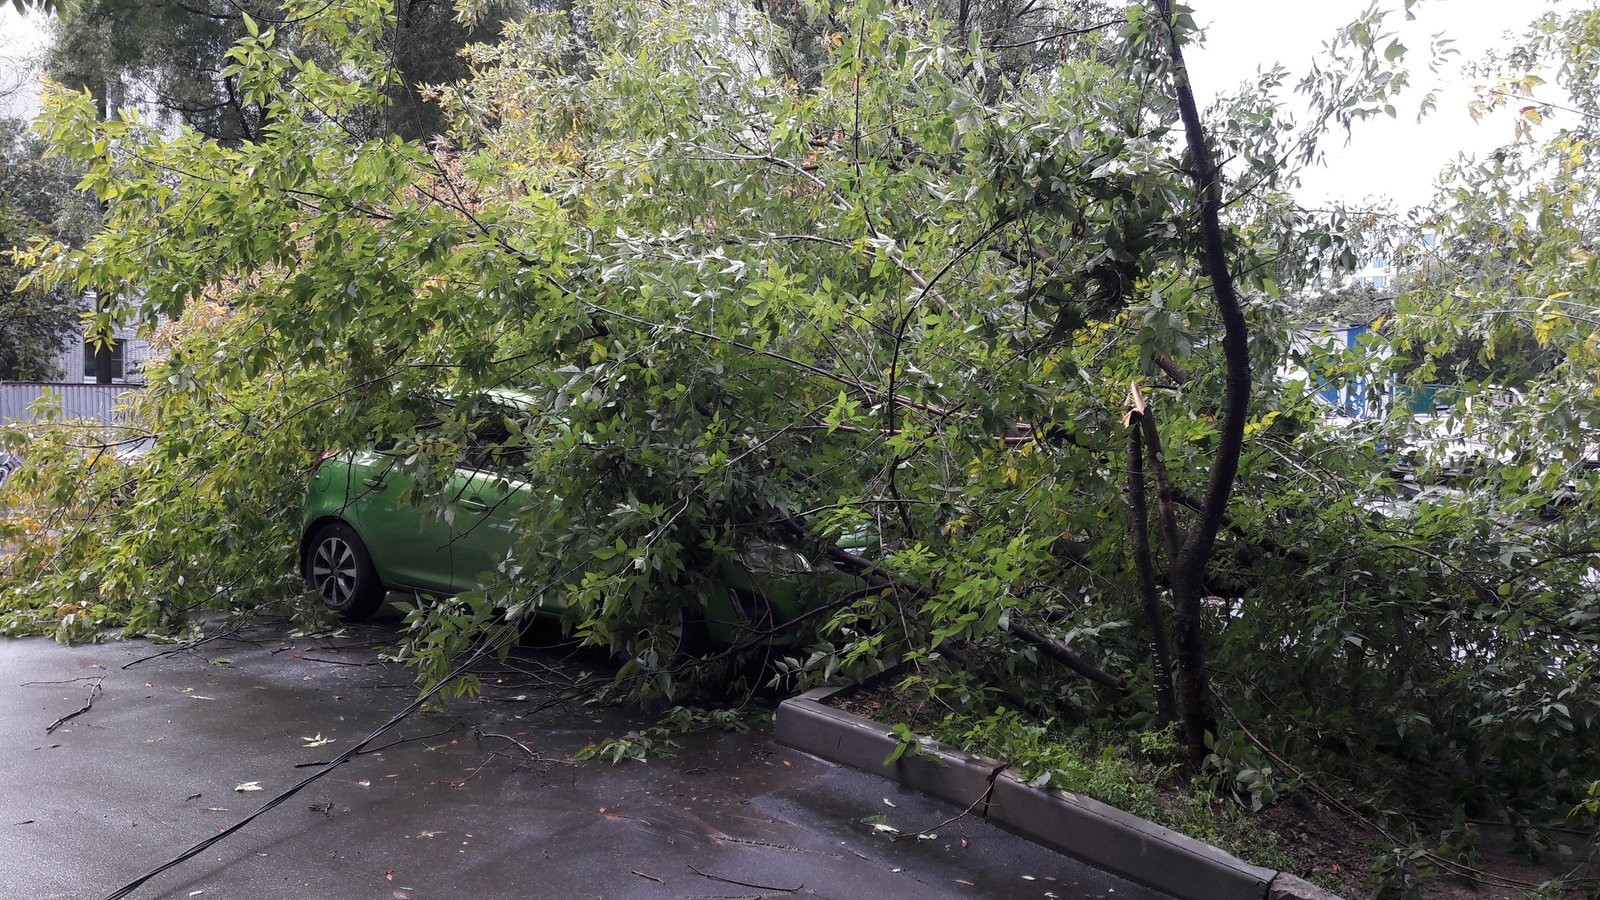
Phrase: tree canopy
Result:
[170,57]
[38,204]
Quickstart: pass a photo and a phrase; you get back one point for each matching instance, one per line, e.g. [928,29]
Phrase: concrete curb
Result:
[1101,835]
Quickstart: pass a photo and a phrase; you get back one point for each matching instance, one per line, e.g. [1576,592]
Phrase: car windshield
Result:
[496,443]
[762,556]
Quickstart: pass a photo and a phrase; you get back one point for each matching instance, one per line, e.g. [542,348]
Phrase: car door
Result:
[408,539]
[495,497]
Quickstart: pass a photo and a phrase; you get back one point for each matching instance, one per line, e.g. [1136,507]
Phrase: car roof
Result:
[514,397]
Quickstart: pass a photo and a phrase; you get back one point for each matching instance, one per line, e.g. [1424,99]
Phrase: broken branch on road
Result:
[94,691]
[748,884]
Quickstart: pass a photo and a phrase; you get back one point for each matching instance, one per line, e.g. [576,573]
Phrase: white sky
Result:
[1397,159]
[1393,158]
[20,39]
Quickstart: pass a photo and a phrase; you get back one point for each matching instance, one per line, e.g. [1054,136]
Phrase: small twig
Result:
[184,647]
[525,748]
[355,645]
[643,875]
[337,662]
[420,737]
[94,691]
[748,884]
[67,681]
[470,775]
[983,799]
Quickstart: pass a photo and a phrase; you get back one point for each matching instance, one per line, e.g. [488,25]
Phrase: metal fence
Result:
[20,401]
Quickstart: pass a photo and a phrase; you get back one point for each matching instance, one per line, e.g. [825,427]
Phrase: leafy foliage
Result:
[171,57]
[37,204]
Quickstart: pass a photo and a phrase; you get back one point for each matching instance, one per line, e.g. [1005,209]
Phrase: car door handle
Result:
[373,482]
[474,505]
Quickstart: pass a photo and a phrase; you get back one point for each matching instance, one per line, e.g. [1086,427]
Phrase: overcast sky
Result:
[20,39]
[1397,159]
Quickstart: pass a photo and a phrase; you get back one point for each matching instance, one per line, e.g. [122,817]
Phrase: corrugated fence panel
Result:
[76,401]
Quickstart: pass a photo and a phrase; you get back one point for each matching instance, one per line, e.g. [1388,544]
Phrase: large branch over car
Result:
[882,579]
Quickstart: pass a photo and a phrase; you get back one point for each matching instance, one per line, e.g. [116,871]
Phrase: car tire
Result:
[339,569]
[755,609]
[684,639]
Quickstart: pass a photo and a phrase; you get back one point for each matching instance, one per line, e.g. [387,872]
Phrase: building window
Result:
[91,358]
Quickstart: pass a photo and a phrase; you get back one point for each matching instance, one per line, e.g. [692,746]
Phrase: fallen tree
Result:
[900,291]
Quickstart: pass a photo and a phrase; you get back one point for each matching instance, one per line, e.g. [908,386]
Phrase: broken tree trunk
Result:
[1154,616]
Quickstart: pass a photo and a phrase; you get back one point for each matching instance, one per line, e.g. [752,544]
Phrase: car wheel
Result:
[667,647]
[756,611]
[338,567]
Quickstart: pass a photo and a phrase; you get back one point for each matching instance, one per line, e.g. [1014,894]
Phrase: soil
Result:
[885,702]
[1336,848]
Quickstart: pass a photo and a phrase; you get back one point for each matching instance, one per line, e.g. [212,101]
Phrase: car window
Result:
[493,447]
[427,417]
[762,556]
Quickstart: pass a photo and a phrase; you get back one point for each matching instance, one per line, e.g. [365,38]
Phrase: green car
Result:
[361,537]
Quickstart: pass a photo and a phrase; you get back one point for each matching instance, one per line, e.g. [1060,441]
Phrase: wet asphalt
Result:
[482,800]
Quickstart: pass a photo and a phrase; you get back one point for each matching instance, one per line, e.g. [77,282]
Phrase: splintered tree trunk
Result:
[1154,617]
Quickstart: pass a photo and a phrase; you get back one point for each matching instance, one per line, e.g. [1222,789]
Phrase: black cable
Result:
[490,644]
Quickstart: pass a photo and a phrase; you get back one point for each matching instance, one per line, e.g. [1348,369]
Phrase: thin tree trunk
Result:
[1154,617]
[1144,421]
[102,351]
[1188,570]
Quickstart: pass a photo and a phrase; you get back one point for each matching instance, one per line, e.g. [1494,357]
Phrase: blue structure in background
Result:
[1358,396]
[1355,397]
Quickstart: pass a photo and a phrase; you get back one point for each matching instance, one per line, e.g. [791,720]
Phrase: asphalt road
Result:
[482,801]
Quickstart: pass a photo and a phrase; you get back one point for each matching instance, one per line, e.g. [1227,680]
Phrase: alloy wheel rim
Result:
[653,654]
[334,571]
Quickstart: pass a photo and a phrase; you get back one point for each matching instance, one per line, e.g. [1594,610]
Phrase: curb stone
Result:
[1292,887]
[1101,835]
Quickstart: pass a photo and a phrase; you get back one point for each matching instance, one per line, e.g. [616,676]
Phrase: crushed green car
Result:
[367,529]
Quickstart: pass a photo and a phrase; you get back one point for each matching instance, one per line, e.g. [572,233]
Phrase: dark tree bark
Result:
[1154,616]
[1188,570]
[1065,655]
[102,351]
